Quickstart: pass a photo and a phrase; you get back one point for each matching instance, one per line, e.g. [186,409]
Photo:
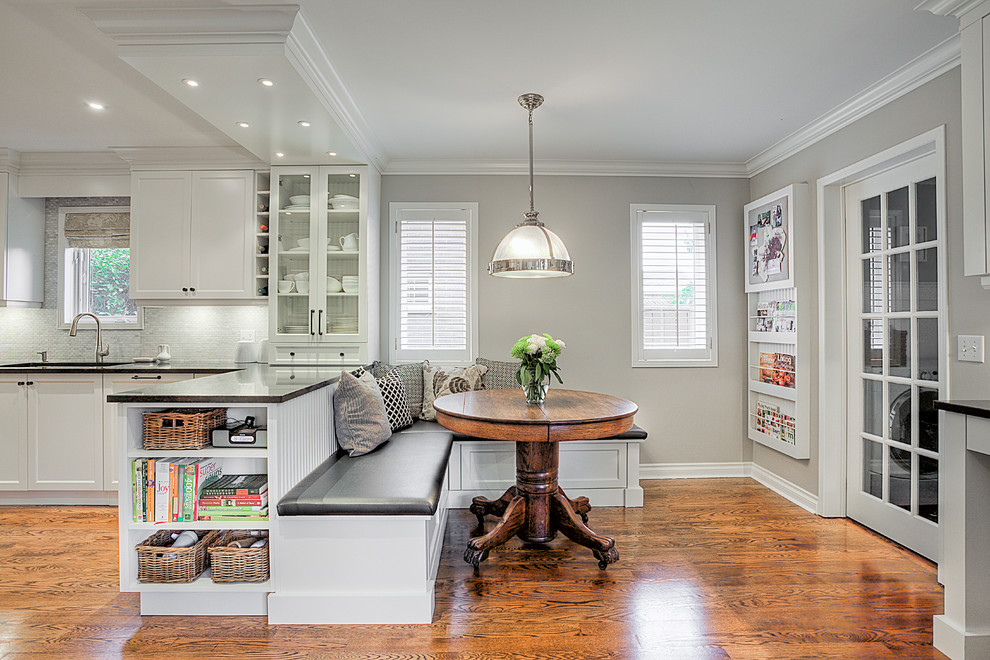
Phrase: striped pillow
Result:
[359,416]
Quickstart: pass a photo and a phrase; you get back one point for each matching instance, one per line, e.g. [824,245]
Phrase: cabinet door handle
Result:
[311,312]
[20,382]
[192,289]
[136,377]
[185,289]
[319,324]
[30,382]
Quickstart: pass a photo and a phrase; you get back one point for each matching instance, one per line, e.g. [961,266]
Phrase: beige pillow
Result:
[437,382]
[359,416]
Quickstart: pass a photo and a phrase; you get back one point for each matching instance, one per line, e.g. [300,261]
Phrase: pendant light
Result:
[531,250]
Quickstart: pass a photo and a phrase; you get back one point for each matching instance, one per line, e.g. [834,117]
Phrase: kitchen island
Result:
[294,404]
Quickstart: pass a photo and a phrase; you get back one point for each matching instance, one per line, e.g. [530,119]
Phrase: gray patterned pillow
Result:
[500,375]
[394,396]
[412,380]
[437,382]
[359,416]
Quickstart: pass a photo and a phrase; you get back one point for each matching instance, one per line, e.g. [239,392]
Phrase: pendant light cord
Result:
[532,209]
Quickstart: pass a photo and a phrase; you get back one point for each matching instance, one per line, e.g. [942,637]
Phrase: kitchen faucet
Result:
[101,352]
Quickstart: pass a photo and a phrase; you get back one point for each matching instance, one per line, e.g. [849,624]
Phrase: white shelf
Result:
[201,524]
[343,295]
[332,253]
[775,443]
[788,393]
[208,452]
[773,337]
[204,583]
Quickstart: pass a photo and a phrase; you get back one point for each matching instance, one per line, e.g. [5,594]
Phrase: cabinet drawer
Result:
[317,355]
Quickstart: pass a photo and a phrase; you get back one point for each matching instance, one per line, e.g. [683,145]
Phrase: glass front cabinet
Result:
[323,285]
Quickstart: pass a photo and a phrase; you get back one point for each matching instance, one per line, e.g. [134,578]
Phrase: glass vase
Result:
[536,389]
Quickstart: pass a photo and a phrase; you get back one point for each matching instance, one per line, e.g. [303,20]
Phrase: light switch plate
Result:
[970,348]
[248,335]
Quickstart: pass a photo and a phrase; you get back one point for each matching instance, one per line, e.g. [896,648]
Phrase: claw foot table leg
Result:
[482,506]
[566,520]
[512,521]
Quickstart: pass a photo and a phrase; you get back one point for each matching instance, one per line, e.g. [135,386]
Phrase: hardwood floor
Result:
[709,569]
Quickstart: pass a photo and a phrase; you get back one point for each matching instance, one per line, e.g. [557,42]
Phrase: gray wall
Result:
[934,104]
[692,414]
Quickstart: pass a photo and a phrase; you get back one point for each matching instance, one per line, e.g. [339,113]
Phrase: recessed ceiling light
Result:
[243,124]
[303,123]
[96,106]
[265,82]
[279,154]
[190,82]
[331,153]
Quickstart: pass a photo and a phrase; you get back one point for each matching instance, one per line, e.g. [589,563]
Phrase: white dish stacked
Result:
[344,325]
[350,283]
[298,203]
[344,203]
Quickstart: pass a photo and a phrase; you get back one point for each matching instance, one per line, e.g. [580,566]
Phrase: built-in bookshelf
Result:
[158,598]
[778,362]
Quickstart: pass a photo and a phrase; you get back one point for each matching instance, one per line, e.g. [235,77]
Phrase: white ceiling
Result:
[653,81]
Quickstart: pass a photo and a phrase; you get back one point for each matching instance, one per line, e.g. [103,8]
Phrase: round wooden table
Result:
[535,509]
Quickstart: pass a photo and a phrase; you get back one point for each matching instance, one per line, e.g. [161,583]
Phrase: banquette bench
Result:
[359,538]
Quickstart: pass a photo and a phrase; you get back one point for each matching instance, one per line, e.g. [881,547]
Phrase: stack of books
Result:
[164,489]
[235,497]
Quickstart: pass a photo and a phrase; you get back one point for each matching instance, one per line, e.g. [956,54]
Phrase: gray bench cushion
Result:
[404,476]
[420,426]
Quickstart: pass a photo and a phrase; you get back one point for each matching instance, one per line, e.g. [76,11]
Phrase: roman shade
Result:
[97,230]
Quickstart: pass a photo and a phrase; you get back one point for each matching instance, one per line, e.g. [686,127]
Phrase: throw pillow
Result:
[437,382]
[394,396]
[412,380]
[500,375]
[359,417]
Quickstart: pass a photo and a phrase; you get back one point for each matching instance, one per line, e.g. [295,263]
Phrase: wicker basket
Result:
[182,429]
[157,562]
[237,564]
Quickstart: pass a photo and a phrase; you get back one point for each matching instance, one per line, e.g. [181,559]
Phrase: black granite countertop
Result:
[974,407]
[118,366]
[251,383]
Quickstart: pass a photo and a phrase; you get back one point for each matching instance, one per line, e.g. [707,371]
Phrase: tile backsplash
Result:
[199,333]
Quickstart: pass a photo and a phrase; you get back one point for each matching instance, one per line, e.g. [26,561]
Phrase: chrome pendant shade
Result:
[531,250]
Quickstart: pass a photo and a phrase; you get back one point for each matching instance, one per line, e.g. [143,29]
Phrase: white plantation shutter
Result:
[433,259]
[674,285]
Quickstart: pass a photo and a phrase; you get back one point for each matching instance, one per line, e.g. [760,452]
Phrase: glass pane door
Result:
[293,250]
[893,252]
[344,286]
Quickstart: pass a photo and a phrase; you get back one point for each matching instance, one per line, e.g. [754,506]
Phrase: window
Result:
[95,266]
[433,290]
[673,285]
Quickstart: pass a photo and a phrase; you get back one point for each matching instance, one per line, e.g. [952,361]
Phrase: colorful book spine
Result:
[173,492]
[149,491]
[137,485]
[238,485]
[212,510]
[234,501]
[162,499]
[189,492]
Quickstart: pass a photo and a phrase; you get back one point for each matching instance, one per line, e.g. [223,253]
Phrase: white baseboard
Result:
[803,498]
[692,470]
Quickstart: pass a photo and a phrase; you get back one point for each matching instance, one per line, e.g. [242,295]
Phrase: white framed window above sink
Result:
[94,267]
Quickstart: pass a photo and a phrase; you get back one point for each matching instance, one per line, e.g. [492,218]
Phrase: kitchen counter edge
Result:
[973,407]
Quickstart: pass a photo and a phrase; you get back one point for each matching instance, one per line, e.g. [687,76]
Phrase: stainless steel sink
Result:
[92,365]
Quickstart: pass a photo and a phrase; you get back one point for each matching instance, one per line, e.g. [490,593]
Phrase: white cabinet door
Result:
[115,384]
[65,432]
[13,432]
[161,213]
[221,253]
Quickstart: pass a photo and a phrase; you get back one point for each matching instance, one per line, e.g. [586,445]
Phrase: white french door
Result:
[895,359]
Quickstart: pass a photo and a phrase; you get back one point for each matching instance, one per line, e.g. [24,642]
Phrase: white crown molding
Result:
[180,26]
[948,7]
[72,163]
[565,168]
[199,158]
[309,59]
[10,160]
[919,71]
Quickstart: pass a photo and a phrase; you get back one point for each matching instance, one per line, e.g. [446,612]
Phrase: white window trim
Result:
[85,322]
[639,357]
[437,357]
